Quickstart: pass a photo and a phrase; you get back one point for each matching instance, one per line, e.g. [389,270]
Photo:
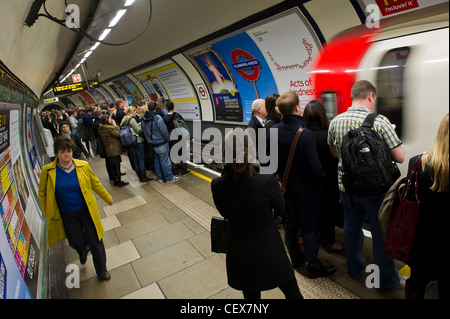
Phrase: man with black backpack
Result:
[367,147]
[173,121]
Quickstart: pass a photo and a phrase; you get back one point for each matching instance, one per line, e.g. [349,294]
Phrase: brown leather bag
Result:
[289,161]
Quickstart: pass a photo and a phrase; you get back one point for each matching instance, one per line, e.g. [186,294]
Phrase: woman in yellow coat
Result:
[70,207]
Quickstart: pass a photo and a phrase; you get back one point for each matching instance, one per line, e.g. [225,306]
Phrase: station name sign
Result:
[74,87]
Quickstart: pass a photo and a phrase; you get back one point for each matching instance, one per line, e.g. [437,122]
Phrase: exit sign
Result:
[76,78]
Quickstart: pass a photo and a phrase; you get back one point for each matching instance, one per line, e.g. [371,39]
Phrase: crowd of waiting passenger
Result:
[95,131]
[315,201]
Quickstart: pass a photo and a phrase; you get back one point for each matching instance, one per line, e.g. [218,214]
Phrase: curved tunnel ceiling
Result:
[44,53]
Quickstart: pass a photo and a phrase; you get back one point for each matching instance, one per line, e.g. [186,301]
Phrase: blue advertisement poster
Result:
[249,69]
[225,94]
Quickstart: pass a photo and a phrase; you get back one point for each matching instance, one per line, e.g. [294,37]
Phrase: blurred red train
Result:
[407,59]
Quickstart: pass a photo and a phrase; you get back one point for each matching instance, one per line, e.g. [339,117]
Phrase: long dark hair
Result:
[271,103]
[314,111]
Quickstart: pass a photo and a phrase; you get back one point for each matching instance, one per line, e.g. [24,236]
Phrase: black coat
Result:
[430,252]
[306,177]
[256,257]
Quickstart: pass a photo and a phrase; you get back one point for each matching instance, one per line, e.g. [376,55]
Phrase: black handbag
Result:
[219,235]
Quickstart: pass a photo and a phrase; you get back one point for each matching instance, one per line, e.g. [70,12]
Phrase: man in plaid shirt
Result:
[356,208]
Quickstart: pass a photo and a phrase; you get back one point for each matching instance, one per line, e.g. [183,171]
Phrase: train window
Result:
[390,86]
[329,103]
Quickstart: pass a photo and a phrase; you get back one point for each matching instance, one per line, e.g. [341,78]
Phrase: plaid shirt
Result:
[352,119]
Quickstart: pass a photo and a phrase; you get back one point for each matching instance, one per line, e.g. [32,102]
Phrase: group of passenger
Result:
[66,184]
[315,201]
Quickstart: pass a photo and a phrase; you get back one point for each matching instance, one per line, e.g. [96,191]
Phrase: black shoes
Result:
[320,272]
[143,176]
[120,183]
[106,277]
[83,256]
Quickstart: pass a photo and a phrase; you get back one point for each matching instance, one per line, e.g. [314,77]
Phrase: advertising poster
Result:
[19,243]
[273,56]
[289,46]
[249,69]
[87,98]
[116,90]
[225,94]
[389,8]
[170,82]
[129,90]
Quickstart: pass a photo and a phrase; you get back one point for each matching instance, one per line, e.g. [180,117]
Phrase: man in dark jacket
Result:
[119,113]
[259,115]
[303,186]
[79,147]
[155,132]
[169,120]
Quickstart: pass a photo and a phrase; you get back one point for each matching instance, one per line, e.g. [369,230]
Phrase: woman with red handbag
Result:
[429,252]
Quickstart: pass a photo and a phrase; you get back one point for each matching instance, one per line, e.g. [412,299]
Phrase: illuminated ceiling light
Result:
[87,54]
[95,46]
[104,34]
[116,19]
[129,3]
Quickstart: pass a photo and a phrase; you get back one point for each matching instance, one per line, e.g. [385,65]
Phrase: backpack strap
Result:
[370,119]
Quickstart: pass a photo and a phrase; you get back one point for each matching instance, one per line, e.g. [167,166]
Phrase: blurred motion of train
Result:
[408,62]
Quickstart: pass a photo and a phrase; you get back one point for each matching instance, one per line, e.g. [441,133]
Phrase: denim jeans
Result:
[163,165]
[137,157]
[356,209]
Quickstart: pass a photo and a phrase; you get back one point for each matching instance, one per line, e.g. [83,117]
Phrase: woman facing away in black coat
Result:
[429,255]
[256,258]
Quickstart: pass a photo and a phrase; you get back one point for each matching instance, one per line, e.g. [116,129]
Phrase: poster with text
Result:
[129,90]
[19,243]
[249,69]
[170,82]
[289,45]
[225,93]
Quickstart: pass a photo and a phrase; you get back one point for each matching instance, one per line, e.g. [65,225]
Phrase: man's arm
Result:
[398,154]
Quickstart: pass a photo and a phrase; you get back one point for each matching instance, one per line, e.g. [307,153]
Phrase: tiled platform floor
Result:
[158,246]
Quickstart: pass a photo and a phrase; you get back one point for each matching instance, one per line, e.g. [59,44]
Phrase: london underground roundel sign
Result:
[244,61]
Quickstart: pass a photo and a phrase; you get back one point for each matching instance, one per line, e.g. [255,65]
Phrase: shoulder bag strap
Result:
[291,156]
[413,180]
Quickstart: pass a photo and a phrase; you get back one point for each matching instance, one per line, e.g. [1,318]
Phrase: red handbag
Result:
[402,228]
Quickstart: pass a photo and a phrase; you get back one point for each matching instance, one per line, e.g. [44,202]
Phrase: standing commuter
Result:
[88,123]
[273,114]
[256,258]
[357,208]
[73,122]
[303,186]
[136,154]
[119,112]
[258,120]
[168,119]
[429,253]
[331,210]
[109,133]
[78,148]
[155,132]
[70,207]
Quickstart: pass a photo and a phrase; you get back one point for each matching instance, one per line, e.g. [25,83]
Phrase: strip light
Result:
[105,33]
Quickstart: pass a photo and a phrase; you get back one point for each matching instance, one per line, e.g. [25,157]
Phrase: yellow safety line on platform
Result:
[201,176]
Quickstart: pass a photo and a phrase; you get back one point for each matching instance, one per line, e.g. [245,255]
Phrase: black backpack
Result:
[368,168]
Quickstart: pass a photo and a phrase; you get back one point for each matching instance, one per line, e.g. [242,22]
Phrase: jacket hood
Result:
[148,116]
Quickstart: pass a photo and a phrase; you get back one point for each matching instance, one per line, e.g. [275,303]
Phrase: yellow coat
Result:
[87,181]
